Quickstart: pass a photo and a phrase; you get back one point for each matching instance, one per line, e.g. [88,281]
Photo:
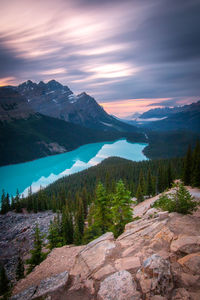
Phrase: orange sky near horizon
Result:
[123,108]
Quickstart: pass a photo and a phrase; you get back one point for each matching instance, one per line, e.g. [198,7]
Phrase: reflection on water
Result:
[44,171]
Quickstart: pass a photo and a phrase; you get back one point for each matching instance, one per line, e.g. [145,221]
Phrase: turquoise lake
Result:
[43,171]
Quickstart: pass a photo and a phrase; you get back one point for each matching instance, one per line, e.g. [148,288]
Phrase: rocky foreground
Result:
[157,257]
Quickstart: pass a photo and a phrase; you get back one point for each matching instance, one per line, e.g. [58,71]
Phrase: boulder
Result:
[106,270]
[26,294]
[94,255]
[163,215]
[120,286]
[186,244]
[47,287]
[155,276]
[128,263]
[51,285]
[180,294]
[191,263]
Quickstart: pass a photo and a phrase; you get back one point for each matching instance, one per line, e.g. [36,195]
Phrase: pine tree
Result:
[55,235]
[169,176]
[187,167]
[149,184]
[84,197]
[4,282]
[77,234]
[17,202]
[20,269]
[37,256]
[67,226]
[139,194]
[142,182]
[196,166]
[79,222]
[102,209]
[5,203]
[160,180]
[121,208]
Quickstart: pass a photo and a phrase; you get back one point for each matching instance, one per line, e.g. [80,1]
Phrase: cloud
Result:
[112,49]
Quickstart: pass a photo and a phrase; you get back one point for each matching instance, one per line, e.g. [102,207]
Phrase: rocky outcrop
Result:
[156,258]
[51,286]
[119,286]
[155,277]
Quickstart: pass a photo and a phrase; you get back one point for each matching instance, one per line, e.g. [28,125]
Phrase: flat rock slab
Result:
[51,285]
[186,244]
[118,286]
[46,287]
[94,255]
[25,295]
[128,263]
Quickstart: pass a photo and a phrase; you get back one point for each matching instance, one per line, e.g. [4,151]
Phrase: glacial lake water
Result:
[41,172]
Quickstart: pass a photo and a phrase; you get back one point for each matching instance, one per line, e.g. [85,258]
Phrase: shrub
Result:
[180,201]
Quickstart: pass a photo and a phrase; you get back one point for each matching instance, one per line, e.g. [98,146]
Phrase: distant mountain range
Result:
[186,117]
[179,118]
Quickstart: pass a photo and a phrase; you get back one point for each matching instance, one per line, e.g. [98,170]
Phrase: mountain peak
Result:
[54,84]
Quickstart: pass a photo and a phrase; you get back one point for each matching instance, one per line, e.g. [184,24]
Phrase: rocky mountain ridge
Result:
[13,105]
[56,100]
[156,258]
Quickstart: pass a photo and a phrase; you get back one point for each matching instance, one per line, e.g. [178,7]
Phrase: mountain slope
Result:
[13,105]
[55,100]
[38,136]
[186,120]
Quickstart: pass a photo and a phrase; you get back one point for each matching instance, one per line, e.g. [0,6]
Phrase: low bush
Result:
[178,201]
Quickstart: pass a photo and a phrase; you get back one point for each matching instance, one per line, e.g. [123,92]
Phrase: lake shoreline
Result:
[44,171]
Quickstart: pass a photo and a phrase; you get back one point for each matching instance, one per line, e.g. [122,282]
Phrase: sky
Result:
[130,55]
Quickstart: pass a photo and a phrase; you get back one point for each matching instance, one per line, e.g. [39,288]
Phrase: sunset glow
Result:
[113,50]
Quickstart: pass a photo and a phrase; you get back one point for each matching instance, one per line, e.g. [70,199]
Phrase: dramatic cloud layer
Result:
[112,49]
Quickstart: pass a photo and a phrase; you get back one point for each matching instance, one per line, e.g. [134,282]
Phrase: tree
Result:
[142,182]
[187,167]
[121,208]
[79,222]
[84,197]
[149,184]
[55,233]
[180,201]
[5,203]
[67,226]
[196,166]
[139,194]
[20,269]
[160,180]
[37,256]
[4,282]
[169,176]
[17,202]
[102,209]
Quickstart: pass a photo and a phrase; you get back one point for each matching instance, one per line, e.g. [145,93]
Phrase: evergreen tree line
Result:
[191,166]
[145,178]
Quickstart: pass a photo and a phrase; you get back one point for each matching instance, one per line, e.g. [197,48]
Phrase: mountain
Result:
[188,119]
[168,111]
[13,105]
[38,136]
[26,135]
[58,101]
